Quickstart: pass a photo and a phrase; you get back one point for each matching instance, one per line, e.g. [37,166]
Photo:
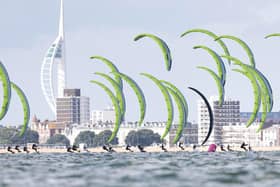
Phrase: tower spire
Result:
[61,22]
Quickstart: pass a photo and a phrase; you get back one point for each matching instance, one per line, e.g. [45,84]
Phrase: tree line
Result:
[144,137]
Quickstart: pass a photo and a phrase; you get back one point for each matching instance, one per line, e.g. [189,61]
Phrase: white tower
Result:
[54,56]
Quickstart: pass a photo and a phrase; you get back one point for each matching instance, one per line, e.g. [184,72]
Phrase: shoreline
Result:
[147,149]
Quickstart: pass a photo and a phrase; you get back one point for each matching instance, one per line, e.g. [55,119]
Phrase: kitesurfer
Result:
[163,148]
[128,148]
[25,149]
[228,148]
[141,149]
[222,148]
[111,150]
[35,148]
[104,147]
[250,148]
[18,149]
[194,147]
[243,146]
[9,149]
[75,148]
[181,146]
[212,148]
[69,150]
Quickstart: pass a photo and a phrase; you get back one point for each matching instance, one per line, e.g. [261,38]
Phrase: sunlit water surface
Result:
[141,169]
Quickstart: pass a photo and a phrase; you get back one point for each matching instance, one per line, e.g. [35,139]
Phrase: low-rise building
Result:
[271,136]
[189,135]
[103,116]
[236,134]
[47,128]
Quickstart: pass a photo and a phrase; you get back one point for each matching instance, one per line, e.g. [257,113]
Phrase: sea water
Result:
[141,169]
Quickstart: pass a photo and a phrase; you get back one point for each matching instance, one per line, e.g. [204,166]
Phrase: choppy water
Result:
[141,169]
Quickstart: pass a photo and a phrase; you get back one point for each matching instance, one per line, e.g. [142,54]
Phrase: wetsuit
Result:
[222,148]
[243,146]
[35,148]
[228,148]
[9,149]
[105,148]
[69,150]
[25,149]
[111,150]
[17,148]
[181,146]
[75,148]
[163,148]
[141,148]
[128,148]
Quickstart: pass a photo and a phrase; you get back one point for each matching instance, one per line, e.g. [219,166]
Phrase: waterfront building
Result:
[189,135]
[271,118]
[227,114]
[55,56]
[236,134]
[103,116]
[72,107]
[271,136]
[73,130]
[46,128]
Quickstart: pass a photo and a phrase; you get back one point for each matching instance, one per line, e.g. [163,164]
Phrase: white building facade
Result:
[227,114]
[103,116]
[72,132]
[236,134]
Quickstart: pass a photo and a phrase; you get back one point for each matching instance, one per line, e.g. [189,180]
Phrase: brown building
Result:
[72,108]
[47,128]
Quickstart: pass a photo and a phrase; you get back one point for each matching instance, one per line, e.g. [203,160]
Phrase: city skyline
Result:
[100,36]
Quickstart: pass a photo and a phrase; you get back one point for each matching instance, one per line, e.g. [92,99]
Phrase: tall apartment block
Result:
[72,107]
[227,114]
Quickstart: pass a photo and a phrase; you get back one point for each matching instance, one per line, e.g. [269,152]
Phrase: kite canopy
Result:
[163,46]
[210,112]
[243,45]
[6,85]
[139,93]
[118,91]
[212,35]
[118,114]
[112,67]
[168,102]
[25,106]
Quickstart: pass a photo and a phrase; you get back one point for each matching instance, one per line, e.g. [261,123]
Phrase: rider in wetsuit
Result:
[18,149]
[228,148]
[9,149]
[181,146]
[243,146]
[163,148]
[141,149]
[128,148]
[222,148]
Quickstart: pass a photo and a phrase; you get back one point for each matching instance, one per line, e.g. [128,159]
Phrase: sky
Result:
[107,28]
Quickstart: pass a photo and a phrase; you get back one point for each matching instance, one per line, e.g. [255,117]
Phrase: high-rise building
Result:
[227,114]
[72,108]
[54,56]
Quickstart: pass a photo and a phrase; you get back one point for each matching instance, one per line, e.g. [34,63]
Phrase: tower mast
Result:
[61,71]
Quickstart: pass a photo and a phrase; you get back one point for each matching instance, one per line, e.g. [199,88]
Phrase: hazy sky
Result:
[107,28]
